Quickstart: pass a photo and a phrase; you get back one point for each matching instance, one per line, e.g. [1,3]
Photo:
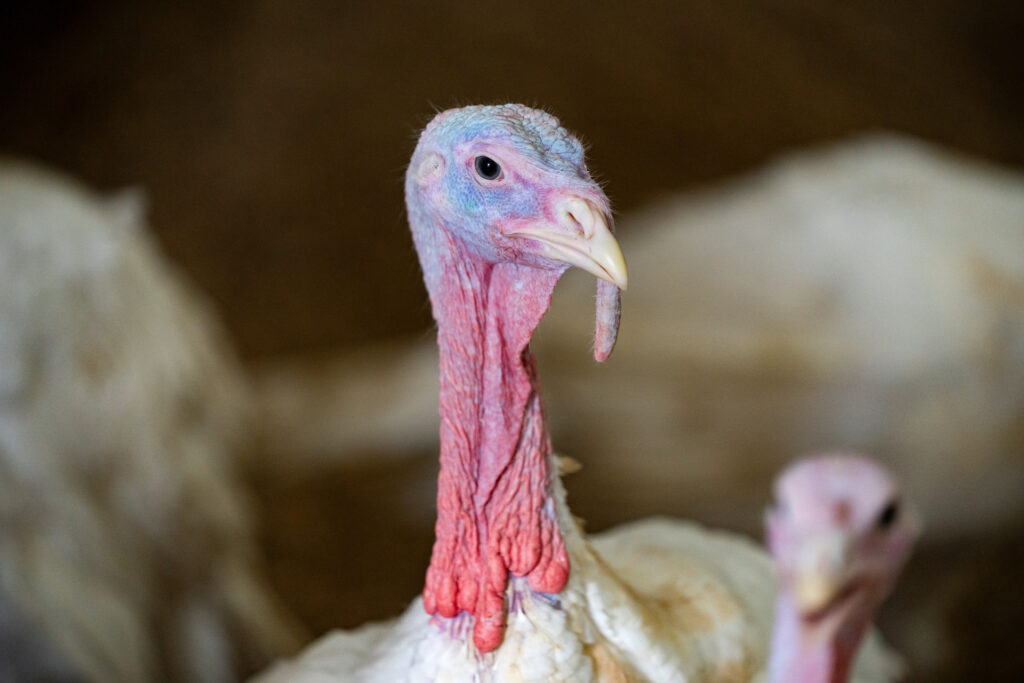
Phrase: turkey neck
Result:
[495,509]
[805,654]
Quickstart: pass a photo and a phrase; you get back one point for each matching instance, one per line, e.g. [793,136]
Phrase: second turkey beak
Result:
[582,238]
[821,577]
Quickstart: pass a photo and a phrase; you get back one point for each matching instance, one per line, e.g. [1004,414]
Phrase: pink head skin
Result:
[840,534]
[500,205]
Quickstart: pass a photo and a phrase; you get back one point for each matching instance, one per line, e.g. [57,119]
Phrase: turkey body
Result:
[657,600]
[127,546]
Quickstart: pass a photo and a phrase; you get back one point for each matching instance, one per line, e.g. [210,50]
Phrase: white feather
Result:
[126,536]
[658,600]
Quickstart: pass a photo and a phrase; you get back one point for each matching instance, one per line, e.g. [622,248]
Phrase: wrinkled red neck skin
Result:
[495,514]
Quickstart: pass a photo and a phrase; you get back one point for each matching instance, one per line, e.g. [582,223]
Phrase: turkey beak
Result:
[582,236]
[821,576]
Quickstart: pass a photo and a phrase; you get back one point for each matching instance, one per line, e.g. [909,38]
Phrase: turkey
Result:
[500,204]
[127,551]
[839,534]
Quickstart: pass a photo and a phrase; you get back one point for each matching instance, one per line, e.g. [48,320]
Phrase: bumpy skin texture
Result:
[840,534]
[489,289]
[493,514]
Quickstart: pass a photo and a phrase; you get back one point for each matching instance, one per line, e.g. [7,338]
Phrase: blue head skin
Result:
[508,184]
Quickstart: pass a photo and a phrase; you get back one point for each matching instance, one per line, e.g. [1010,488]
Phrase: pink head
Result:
[508,184]
[840,533]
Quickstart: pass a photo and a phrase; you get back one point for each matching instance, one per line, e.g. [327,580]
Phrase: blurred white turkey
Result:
[870,294]
[127,546]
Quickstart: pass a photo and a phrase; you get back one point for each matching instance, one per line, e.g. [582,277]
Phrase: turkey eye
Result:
[487,168]
[888,515]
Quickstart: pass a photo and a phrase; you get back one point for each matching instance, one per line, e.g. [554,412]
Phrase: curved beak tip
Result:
[607,256]
[615,269]
[583,238]
[813,592]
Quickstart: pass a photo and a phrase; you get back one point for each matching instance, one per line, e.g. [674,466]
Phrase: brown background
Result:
[271,137]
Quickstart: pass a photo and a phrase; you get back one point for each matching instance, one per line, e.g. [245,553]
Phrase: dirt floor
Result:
[271,137]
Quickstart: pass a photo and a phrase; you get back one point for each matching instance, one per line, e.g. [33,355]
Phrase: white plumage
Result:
[657,600]
[127,551]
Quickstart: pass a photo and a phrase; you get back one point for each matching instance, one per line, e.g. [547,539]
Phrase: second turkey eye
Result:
[487,168]
[889,515]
